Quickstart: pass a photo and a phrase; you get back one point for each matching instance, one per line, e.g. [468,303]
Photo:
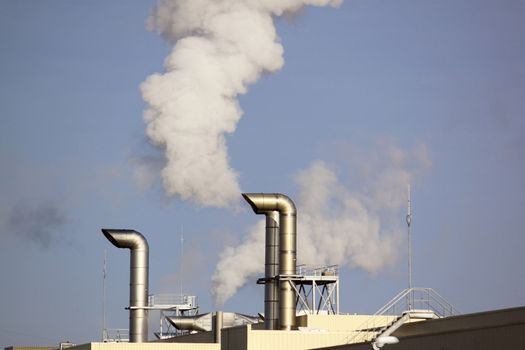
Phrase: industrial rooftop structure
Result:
[301,308]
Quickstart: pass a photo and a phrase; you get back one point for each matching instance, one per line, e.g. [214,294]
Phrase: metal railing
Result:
[309,270]
[418,299]
[407,301]
[171,300]
[371,327]
[65,345]
[115,335]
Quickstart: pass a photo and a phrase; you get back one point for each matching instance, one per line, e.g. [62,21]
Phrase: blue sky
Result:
[448,75]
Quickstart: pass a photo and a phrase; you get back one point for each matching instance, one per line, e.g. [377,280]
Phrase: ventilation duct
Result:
[138,280]
[265,203]
[211,321]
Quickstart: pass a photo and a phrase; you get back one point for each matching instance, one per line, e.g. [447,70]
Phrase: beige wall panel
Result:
[342,322]
[294,340]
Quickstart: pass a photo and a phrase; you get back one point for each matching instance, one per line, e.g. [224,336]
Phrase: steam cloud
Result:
[220,47]
[229,275]
[360,229]
[39,224]
[146,170]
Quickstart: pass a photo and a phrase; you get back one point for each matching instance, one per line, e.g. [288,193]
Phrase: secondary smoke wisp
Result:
[40,224]
[229,276]
[220,47]
[336,225]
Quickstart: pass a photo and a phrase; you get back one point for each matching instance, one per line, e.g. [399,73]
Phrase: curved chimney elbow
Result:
[265,202]
[130,239]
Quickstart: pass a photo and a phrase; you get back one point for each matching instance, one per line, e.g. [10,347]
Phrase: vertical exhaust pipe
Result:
[217,327]
[263,203]
[138,280]
[271,269]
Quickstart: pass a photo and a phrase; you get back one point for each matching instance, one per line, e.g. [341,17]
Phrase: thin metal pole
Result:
[104,296]
[160,326]
[181,259]
[409,222]
[337,296]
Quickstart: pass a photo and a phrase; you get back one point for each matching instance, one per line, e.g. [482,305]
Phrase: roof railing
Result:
[418,299]
[411,300]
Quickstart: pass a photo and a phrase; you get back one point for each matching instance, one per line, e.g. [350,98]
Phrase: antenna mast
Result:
[409,221]
[181,256]
[104,296]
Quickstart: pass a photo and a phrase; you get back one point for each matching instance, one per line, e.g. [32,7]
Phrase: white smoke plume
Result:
[219,48]
[359,228]
[229,275]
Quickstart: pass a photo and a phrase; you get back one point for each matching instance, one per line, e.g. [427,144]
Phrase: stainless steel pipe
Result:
[271,269]
[263,203]
[217,327]
[211,322]
[138,280]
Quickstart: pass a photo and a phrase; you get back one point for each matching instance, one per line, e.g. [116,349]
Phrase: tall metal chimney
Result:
[138,284]
[263,203]
[271,269]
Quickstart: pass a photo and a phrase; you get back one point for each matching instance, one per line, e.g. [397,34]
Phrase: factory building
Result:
[301,308]
[500,329]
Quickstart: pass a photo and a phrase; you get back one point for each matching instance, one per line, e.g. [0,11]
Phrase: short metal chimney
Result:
[138,284]
[264,203]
